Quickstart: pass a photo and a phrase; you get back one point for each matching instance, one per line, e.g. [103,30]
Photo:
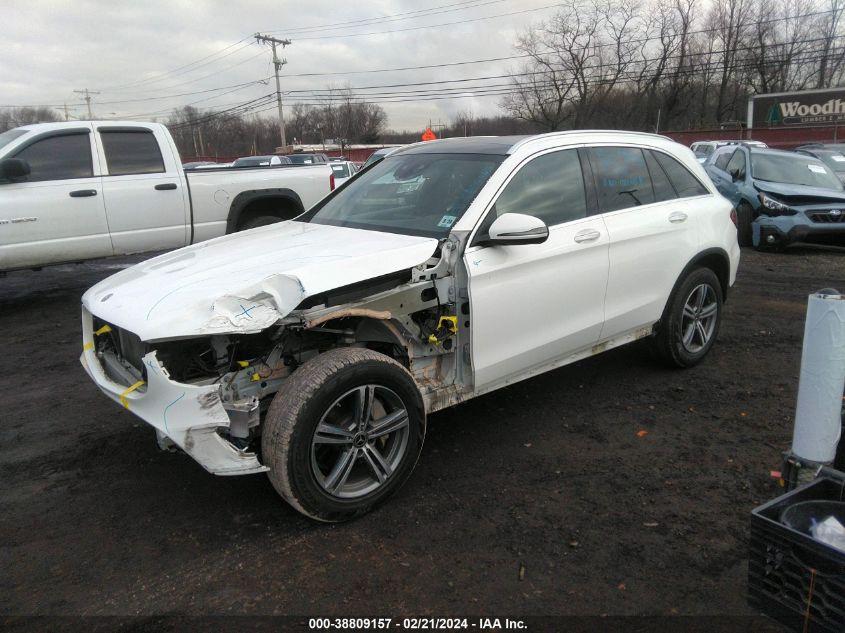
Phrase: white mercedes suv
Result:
[313,349]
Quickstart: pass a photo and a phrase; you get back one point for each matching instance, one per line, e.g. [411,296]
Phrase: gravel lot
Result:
[611,486]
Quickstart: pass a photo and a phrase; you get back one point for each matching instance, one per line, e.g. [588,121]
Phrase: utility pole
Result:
[277,64]
[87,96]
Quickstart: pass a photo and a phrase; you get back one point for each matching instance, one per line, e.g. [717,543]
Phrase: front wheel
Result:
[691,320]
[343,433]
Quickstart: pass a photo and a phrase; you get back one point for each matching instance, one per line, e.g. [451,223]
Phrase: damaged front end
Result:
[207,393]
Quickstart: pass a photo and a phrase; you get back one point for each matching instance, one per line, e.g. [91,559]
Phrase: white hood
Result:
[245,282]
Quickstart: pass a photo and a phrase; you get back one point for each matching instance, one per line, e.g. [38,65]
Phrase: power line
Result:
[176,71]
[432,26]
[397,17]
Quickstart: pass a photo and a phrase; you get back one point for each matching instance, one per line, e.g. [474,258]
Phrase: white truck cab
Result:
[80,190]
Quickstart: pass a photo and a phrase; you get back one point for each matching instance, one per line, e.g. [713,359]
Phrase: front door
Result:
[532,305]
[55,214]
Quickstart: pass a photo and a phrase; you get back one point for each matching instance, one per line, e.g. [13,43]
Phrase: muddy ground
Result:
[553,476]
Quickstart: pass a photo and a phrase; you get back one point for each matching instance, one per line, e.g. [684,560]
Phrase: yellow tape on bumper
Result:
[123,399]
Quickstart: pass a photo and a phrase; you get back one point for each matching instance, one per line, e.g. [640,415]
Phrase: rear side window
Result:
[663,189]
[622,178]
[686,185]
[550,187]
[131,152]
[722,159]
[58,158]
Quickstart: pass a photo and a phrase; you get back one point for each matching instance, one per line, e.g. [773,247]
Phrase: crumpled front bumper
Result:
[795,228]
[187,414]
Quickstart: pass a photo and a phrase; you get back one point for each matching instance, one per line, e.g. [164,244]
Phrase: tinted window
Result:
[132,152]
[722,159]
[550,187]
[622,179]
[663,189]
[685,184]
[414,194]
[736,165]
[58,158]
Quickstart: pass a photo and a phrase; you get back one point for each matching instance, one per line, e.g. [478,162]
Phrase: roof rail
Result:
[575,132]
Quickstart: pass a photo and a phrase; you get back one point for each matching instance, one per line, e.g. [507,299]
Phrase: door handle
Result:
[587,235]
[83,193]
[166,186]
[677,217]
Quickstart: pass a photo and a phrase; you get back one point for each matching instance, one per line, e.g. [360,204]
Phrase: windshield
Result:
[793,170]
[10,135]
[302,159]
[413,194]
[834,160]
[341,170]
[252,161]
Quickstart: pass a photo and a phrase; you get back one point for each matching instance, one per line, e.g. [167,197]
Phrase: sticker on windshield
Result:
[839,158]
[447,221]
[818,169]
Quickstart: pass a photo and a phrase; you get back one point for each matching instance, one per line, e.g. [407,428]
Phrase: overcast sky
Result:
[134,52]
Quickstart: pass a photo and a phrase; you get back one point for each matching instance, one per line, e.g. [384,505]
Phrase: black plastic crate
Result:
[791,577]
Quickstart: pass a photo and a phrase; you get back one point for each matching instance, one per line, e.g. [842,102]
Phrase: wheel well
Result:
[717,261]
[277,206]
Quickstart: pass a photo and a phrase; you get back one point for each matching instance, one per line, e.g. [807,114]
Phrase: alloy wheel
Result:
[698,321]
[360,441]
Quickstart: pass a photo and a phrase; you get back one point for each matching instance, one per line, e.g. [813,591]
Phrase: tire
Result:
[669,344]
[744,218]
[307,468]
[259,220]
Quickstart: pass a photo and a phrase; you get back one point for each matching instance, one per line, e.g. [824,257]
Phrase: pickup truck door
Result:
[55,214]
[144,189]
[536,304]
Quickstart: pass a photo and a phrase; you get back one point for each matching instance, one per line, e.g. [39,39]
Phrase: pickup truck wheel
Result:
[343,433]
[744,218]
[259,220]
[690,323]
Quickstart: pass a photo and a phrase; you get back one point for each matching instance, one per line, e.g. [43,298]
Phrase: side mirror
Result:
[737,175]
[14,168]
[518,228]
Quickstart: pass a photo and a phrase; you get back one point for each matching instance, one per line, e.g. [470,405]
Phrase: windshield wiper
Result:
[630,192]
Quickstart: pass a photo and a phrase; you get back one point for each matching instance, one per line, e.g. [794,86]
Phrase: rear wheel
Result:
[690,323]
[343,433]
[744,218]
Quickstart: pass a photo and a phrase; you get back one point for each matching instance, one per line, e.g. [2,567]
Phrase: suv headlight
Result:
[774,207]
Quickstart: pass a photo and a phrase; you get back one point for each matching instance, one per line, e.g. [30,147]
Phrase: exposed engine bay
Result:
[418,317]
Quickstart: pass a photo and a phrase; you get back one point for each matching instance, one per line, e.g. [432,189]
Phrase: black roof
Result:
[465,145]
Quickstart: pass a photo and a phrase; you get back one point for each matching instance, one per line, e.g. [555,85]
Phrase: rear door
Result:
[650,204]
[56,214]
[535,304]
[146,203]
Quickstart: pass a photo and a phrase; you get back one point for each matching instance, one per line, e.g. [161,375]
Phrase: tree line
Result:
[672,64]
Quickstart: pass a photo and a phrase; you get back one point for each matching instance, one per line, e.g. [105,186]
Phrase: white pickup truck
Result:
[74,190]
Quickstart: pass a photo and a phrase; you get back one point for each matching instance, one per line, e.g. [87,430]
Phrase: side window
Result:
[550,187]
[736,165]
[131,152]
[58,158]
[622,178]
[722,159]
[682,180]
[663,189]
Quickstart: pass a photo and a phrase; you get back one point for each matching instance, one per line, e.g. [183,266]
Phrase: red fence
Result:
[780,137]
